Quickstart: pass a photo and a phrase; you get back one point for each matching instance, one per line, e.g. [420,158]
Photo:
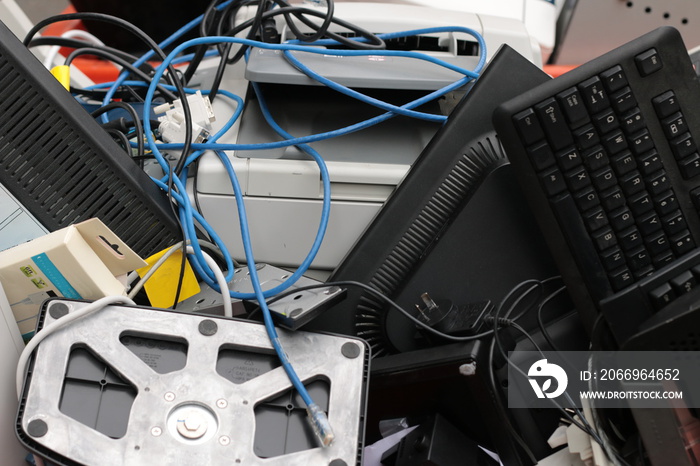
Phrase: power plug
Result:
[447,317]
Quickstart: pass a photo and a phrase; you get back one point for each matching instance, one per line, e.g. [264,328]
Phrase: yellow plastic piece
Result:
[62,73]
[162,286]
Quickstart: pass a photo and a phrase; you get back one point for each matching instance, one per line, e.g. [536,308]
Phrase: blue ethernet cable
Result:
[234,40]
[165,43]
[376,102]
[320,424]
[327,135]
[199,264]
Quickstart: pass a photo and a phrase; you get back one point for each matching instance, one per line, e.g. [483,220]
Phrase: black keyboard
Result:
[608,160]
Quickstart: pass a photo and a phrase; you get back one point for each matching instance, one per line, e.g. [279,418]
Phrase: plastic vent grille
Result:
[460,184]
[55,162]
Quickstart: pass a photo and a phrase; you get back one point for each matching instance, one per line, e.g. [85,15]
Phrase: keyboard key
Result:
[662,296]
[623,100]
[674,223]
[577,179]
[569,159]
[594,95]
[614,78]
[682,243]
[612,199]
[641,142]
[553,123]
[541,156]
[604,179]
[695,197]
[674,125]
[658,184]
[552,181]
[621,278]
[615,142]
[630,239]
[586,137]
[587,199]
[666,104]
[667,202]
[640,203]
[606,121]
[638,259]
[633,121]
[650,163]
[595,158]
[621,219]
[643,272]
[612,258]
[684,283]
[595,219]
[664,258]
[623,163]
[528,126]
[690,166]
[573,107]
[657,244]
[632,183]
[648,62]
[604,239]
[683,146]
[649,223]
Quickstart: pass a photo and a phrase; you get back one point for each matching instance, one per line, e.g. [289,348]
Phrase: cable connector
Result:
[451,319]
[501,321]
[320,425]
[172,127]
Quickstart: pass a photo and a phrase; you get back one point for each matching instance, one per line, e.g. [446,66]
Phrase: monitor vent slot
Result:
[55,162]
[453,193]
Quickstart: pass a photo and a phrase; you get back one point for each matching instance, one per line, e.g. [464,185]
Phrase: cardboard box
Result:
[81,261]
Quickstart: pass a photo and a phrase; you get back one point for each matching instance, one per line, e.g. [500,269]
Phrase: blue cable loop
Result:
[188,216]
[161,161]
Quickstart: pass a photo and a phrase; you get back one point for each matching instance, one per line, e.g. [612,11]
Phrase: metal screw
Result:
[169,396]
[468,369]
[156,431]
[193,426]
[224,440]
[221,403]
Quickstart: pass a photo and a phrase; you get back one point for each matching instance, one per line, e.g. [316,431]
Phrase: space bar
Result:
[581,246]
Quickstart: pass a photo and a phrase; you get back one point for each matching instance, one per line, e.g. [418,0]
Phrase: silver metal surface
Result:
[292,311]
[220,414]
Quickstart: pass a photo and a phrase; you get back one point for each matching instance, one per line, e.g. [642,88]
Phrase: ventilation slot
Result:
[452,194]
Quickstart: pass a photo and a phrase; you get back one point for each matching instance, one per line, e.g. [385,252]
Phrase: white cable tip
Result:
[320,425]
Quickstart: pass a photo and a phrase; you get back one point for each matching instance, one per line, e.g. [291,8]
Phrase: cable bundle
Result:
[143,82]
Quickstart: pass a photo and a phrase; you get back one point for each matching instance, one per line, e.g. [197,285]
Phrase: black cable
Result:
[120,61]
[500,406]
[540,319]
[151,45]
[225,49]
[321,31]
[584,425]
[201,50]
[78,44]
[373,41]
[115,133]
[181,276]
[378,294]
[138,127]
[98,94]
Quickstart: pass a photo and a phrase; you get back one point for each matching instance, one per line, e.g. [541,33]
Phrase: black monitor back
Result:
[63,167]
[456,227]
